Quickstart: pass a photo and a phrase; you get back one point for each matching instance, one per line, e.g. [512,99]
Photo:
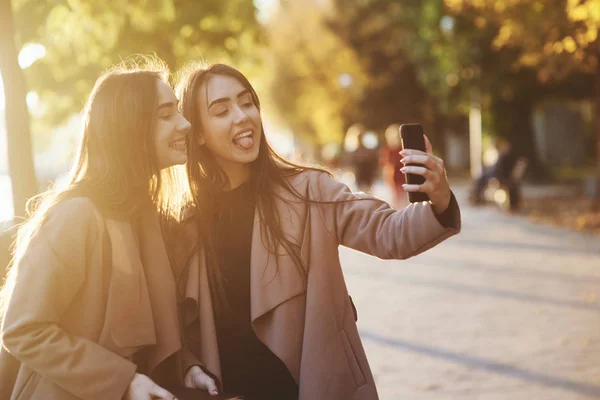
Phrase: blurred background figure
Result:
[389,159]
[501,170]
[362,156]
[330,155]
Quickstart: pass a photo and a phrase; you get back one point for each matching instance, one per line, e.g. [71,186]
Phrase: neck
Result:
[237,175]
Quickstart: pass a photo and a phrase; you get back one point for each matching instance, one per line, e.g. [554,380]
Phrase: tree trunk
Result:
[596,198]
[440,124]
[20,157]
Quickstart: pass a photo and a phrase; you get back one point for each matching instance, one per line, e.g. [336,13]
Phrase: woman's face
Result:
[170,129]
[231,123]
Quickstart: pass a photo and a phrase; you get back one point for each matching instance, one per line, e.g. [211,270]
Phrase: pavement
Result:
[508,309]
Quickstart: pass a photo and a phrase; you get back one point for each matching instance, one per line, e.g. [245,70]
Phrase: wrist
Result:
[441,205]
[194,369]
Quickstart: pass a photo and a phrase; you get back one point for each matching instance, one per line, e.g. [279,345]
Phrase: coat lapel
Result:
[161,288]
[277,286]
[274,278]
[198,318]
[142,308]
[128,299]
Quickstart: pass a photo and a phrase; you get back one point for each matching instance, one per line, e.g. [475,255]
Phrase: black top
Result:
[248,367]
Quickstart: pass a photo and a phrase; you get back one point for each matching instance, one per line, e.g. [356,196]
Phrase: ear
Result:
[201,140]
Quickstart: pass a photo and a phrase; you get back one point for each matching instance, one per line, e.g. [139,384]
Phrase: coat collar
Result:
[274,279]
[140,309]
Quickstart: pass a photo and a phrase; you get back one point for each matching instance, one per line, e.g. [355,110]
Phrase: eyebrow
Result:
[226,99]
[167,105]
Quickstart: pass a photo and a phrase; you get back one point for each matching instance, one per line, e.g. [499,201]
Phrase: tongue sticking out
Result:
[245,142]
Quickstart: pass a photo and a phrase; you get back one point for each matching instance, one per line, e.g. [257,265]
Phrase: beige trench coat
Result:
[310,324]
[90,294]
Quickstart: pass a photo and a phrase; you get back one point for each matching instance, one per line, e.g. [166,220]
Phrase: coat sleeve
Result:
[49,276]
[372,226]
[189,360]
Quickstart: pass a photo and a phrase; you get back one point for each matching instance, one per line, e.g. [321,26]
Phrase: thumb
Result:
[207,383]
[211,386]
[160,393]
[428,146]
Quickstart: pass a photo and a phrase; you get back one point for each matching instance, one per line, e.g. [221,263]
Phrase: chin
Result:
[250,158]
[246,156]
[178,161]
[180,158]
[254,155]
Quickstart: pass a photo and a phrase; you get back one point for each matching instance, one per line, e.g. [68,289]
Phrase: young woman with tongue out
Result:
[265,306]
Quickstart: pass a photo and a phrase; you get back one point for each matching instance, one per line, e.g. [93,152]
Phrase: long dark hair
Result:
[206,178]
[115,165]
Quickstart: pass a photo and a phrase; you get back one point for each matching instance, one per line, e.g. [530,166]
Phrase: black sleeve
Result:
[450,218]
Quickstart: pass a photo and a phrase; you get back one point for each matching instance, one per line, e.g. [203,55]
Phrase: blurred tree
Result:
[20,158]
[464,70]
[558,38]
[427,65]
[375,30]
[457,58]
[84,37]
[452,49]
[316,78]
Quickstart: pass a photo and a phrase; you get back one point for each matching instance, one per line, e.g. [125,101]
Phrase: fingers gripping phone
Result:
[412,138]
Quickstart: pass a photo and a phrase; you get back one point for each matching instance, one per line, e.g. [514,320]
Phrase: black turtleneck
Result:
[248,367]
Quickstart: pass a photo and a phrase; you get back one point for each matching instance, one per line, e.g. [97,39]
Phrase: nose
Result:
[183,125]
[239,115]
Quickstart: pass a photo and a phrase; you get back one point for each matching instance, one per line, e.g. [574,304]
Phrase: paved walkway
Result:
[506,310]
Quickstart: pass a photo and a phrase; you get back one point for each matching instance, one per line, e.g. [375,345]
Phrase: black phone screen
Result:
[412,138]
[183,393]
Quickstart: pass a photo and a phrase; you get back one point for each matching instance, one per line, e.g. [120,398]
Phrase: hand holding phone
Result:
[412,138]
[425,173]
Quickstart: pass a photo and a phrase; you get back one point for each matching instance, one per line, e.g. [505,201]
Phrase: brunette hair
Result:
[206,178]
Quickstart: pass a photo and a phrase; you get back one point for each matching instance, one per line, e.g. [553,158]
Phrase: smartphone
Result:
[183,393]
[412,138]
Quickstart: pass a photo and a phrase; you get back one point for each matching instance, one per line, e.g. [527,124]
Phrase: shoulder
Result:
[320,185]
[75,209]
[312,178]
[72,219]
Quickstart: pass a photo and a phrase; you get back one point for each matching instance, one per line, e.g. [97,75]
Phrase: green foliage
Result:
[309,64]
[552,42]
[556,37]
[84,37]
[376,31]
